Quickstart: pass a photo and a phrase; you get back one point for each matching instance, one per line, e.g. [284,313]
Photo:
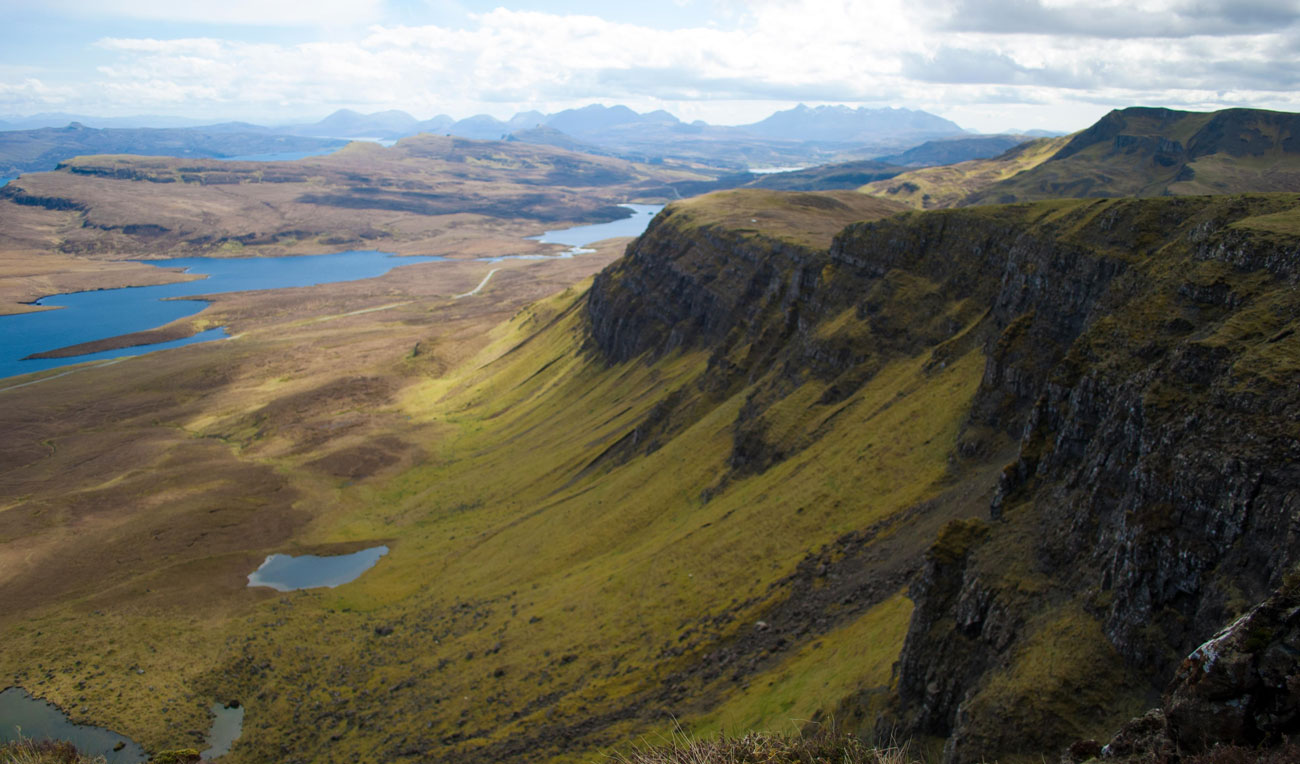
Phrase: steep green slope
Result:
[561,590]
[1144,352]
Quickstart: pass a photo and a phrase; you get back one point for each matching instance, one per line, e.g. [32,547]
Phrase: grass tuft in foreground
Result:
[27,751]
[755,748]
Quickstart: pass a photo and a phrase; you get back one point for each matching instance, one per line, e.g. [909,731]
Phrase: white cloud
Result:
[241,12]
[775,53]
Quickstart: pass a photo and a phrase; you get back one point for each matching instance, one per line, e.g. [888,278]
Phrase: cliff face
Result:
[680,289]
[1148,355]
[1142,354]
[773,314]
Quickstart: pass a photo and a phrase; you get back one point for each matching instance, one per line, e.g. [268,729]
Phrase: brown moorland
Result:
[60,231]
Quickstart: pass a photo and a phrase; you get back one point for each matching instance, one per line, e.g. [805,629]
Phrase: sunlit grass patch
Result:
[858,656]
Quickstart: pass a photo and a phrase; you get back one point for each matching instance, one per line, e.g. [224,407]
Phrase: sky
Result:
[989,65]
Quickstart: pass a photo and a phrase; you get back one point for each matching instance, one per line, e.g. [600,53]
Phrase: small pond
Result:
[39,720]
[286,573]
[227,724]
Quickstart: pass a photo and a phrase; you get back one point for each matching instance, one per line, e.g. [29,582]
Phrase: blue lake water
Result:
[582,235]
[39,720]
[89,316]
[285,573]
[4,181]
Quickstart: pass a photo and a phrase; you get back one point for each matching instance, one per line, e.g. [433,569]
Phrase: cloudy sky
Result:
[986,64]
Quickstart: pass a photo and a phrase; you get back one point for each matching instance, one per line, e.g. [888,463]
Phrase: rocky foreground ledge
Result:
[1235,698]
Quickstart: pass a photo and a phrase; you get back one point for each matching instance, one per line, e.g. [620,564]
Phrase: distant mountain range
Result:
[841,124]
[801,136]
[600,124]
[875,143]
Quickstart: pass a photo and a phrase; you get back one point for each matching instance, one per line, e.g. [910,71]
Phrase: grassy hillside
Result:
[951,185]
[1155,152]
[808,219]
[1130,152]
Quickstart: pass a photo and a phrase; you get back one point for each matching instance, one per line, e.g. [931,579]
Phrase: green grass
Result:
[855,657]
[808,219]
[617,563]
[948,185]
[511,541]
[1074,678]
[27,751]
[823,747]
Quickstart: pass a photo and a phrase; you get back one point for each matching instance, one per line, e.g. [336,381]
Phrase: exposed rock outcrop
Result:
[1156,489]
[1240,690]
[1143,353]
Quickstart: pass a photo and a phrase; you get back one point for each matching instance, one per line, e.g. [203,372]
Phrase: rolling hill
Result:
[419,190]
[42,149]
[953,150]
[951,185]
[1138,152]
[1158,152]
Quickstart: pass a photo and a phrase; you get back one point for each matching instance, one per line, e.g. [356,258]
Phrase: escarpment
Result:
[1155,489]
[1140,360]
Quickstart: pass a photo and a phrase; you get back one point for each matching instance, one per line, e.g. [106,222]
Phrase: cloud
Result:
[1121,19]
[31,94]
[989,67]
[524,58]
[967,53]
[961,65]
[281,13]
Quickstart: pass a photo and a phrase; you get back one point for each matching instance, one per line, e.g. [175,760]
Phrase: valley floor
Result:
[547,593]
